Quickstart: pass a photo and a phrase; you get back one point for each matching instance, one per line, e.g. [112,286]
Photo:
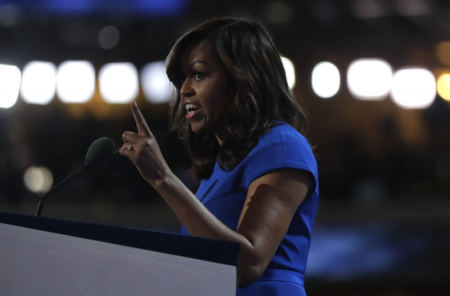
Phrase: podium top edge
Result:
[212,250]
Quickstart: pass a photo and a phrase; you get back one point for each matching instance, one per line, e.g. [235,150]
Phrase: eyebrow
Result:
[197,62]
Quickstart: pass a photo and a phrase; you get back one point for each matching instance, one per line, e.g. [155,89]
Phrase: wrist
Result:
[163,182]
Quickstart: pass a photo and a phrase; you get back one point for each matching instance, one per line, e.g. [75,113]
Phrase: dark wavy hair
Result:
[261,92]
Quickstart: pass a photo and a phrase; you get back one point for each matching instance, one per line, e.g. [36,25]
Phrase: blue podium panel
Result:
[42,256]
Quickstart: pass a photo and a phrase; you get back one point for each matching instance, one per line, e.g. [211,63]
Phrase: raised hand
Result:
[143,150]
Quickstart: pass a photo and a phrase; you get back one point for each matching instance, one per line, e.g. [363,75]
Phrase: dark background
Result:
[383,226]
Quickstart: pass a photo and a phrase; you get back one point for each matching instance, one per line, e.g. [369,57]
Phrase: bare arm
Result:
[270,204]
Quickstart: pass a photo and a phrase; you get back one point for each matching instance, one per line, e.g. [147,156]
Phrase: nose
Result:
[186,90]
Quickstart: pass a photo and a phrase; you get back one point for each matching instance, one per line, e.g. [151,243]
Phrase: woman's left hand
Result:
[143,150]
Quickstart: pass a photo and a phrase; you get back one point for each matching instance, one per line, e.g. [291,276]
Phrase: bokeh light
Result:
[369,79]
[155,85]
[108,37]
[278,12]
[38,82]
[443,52]
[325,79]
[443,86]
[75,81]
[413,8]
[118,82]
[290,71]
[413,88]
[38,179]
[10,77]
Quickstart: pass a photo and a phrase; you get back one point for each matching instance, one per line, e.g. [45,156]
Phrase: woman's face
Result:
[206,91]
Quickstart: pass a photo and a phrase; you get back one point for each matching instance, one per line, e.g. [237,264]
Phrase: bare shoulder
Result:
[273,198]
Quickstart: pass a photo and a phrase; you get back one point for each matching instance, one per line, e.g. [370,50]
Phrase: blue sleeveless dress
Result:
[224,193]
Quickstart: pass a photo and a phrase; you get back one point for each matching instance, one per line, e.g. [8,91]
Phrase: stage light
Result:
[443,86]
[118,82]
[155,85]
[369,79]
[38,82]
[413,88]
[108,37]
[325,79]
[443,52]
[10,77]
[38,179]
[290,71]
[75,81]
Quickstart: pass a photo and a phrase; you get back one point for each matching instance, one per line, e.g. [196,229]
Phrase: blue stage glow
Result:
[89,7]
[341,253]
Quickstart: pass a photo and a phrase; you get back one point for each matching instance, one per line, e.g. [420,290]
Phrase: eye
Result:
[198,76]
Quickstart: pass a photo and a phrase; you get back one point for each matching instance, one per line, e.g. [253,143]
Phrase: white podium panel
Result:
[38,262]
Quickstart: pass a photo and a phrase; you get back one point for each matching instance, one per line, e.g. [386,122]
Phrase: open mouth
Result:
[192,110]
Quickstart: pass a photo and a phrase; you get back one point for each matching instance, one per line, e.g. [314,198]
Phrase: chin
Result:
[201,125]
[197,126]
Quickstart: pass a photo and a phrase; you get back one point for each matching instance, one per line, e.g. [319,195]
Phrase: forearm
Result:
[199,221]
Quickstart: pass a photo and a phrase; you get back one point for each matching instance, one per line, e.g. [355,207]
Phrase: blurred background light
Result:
[443,52]
[155,85]
[38,179]
[325,79]
[9,85]
[369,79]
[90,7]
[160,7]
[290,71]
[62,6]
[10,14]
[368,8]
[443,86]
[413,88]
[326,11]
[118,82]
[108,37]
[75,81]
[38,82]
[412,8]
[278,12]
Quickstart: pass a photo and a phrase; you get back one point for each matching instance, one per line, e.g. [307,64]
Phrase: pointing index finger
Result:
[141,124]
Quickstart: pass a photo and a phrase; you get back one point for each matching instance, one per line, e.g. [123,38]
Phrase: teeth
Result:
[191,107]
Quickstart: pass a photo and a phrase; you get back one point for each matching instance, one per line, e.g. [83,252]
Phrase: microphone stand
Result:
[53,189]
[98,156]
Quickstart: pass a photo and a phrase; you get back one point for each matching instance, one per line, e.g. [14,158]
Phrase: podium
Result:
[47,256]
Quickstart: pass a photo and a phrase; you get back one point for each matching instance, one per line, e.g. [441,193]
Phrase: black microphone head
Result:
[98,155]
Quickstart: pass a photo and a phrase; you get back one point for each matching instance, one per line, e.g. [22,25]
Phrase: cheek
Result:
[218,100]
[222,105]
[224,94]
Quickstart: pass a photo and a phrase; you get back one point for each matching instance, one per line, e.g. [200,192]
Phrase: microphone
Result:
[101,158]
[97,156]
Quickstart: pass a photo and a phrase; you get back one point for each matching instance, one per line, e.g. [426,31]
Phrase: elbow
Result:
[247,275]
[252,264]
